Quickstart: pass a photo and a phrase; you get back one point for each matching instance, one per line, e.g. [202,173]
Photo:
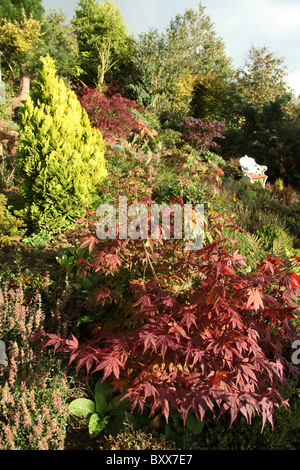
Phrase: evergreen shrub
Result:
[60,158]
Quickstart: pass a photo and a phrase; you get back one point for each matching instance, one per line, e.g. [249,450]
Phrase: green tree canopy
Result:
[12,10]
[59,41]
[19,42]
[103,40]
[193,43]
[18,39]
[189,47]
[215,98]
[262,79]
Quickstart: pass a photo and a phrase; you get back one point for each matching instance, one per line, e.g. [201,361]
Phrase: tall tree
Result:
[189,47]
[215,98]
[262,79]
[193,42]
[103,39]
[59,41]
[12,10]
[18,41]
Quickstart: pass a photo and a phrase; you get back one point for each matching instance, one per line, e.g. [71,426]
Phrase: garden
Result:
[115,342]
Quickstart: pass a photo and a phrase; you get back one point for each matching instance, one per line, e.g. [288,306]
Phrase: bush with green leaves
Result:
[218,435]
[277,240]
[107,413]
[214,158]
[60,158]
[10,225]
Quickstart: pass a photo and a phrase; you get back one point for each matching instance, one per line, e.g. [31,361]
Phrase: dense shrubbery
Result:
[198,343]
[271,137]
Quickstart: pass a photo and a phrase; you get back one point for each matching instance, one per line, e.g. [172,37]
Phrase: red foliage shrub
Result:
[109,112]
[202,133]
[188,330]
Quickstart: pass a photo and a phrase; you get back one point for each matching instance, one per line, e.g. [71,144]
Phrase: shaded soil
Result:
[78,439]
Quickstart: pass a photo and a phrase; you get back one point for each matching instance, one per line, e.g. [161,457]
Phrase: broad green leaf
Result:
[87,283]
[77,285]
[169,435]
[117,424]
[96,425]
[117,407]
[70,264]
[64,259]
[104,389]
[82,407]
[101,404]
[193,424]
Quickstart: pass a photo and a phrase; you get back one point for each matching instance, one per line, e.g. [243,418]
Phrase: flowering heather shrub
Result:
[33,390]
[109,112]
[188,330]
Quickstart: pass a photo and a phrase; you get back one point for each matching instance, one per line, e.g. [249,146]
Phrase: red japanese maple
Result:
[202,133]
[190,330]
[109,112]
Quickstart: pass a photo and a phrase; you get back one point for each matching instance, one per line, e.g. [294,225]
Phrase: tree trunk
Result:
[24,88]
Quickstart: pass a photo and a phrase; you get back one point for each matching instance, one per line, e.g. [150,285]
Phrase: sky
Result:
[240,23]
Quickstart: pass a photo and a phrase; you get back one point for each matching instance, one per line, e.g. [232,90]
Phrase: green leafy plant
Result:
[184,437]
[277,240]
[105,413]
[83,285]
[251,246]
[214,158]
[38,240]
[10,225]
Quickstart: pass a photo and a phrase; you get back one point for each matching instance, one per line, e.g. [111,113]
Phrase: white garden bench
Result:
[252,171]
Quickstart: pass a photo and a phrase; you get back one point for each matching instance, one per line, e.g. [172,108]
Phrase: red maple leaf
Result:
[110,364]
[91,241]
[55,340]
[113,261]
[149,340]
[255,299]
[296,284]
[220,377]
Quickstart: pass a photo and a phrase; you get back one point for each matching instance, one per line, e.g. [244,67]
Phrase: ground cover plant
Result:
[117,343]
